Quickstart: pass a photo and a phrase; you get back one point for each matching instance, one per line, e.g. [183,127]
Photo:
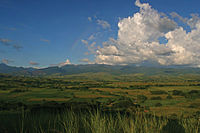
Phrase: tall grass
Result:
[99,122]
[191,125]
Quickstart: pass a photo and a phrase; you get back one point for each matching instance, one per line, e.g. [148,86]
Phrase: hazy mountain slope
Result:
[97,68]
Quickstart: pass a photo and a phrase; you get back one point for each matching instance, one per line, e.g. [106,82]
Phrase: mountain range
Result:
[97,68]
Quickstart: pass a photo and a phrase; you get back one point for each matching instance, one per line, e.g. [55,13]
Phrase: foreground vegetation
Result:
[88,121]
[76,104]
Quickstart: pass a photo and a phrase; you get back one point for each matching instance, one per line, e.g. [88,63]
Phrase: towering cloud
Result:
[140,38]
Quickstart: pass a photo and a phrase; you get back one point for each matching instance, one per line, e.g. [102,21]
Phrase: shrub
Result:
[80,88]
[169,97]
[61,89]
[146,107]
[173,116]
[197,113]
[140,87]
[158,104]
[105,93]
[160,92]
[192,96]
[194,105]
[141,98]
[123,104]
[156,98]
[19,90]
[194,92]
[177,92]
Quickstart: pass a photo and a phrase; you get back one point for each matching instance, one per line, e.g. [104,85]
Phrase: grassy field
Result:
[124,106]
[96,122]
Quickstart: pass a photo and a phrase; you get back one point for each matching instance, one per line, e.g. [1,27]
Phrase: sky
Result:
[42,33]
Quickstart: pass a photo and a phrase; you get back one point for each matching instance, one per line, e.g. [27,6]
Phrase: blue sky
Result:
[42,33]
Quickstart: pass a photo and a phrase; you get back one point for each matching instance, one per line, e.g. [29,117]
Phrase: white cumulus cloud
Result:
[139,35]
[67,62]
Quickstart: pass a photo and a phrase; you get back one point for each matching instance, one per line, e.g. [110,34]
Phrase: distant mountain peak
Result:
[96,68]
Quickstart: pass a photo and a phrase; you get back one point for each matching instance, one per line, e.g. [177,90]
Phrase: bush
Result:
[194,105]
[178,93]
[122,104]
[156,98]
[105,93]
[141,98]
[197,113]
[160,92]
[194,92]
[158,104]
[80,88]
[146,107]
[140,87]
[169,97]
[192,96]
[19,90]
